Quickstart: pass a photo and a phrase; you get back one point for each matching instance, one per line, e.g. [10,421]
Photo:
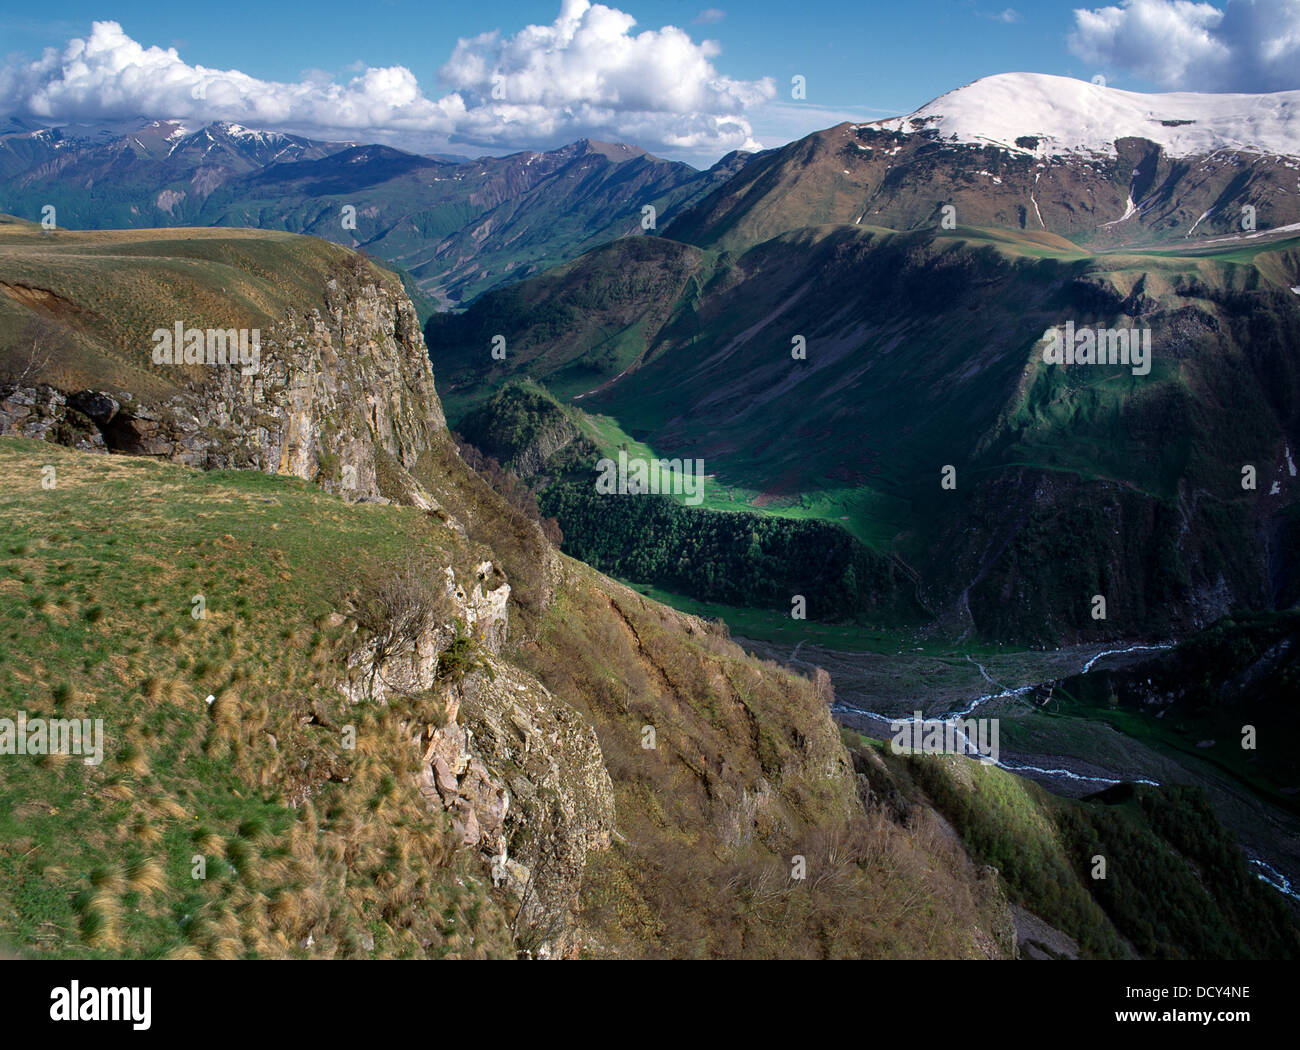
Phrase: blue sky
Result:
[861,60]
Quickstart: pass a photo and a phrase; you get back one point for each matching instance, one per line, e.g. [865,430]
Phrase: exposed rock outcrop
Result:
[520,772]
[483,616]
[525,782]
[342,396]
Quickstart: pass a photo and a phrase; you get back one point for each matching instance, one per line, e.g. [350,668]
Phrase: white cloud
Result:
[110,75]
[1249,45]
[586,74]
[709,16]
[1007,16]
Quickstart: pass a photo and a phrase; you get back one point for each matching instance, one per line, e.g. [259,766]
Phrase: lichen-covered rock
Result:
[485,611]
[483,615]
[558,803]
[519,771]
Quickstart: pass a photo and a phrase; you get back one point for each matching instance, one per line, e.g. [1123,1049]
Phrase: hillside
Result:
[500,796]
[399,723]
[1200,697]
[924,350]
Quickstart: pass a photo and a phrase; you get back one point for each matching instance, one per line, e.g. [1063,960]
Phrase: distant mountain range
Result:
[1105,168]
[455,226]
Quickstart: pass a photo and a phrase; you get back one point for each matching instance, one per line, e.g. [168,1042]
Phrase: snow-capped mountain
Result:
[1032,152]
[1065,115]
[84,155]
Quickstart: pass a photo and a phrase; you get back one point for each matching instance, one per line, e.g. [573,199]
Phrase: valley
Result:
[894,391]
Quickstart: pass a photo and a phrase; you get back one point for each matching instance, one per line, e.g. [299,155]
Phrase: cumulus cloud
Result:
[1249,45]
[586,74]
[110,75]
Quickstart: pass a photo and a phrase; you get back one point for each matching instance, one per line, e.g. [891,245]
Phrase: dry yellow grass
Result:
[147,876]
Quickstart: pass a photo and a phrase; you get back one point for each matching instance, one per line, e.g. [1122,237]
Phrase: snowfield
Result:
[1075,116]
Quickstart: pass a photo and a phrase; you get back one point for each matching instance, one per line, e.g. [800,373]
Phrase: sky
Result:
[685,80]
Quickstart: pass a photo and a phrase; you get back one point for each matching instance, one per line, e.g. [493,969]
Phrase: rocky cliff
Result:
[342,395]
[545,762]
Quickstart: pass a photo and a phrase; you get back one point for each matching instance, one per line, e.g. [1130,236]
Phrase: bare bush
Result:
[823,687]
[395,606]
[835,854]
[32,357]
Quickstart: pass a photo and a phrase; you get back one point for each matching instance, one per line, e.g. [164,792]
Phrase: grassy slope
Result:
[743,780]
[101,571]
[1174,885]
[747,772]
[99,575]
[573,328]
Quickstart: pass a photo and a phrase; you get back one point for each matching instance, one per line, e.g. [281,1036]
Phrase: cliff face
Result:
[624,780]
[519,772]
[343,396]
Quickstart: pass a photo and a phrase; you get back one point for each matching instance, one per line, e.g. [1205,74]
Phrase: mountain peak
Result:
[614,151]
[1065,115]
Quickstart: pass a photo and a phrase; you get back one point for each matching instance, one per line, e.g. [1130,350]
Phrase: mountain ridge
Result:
[1005,151]
[454,227]
[1069,115]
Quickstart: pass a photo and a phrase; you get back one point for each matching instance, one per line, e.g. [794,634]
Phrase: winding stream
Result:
[1264,871]
[950,718]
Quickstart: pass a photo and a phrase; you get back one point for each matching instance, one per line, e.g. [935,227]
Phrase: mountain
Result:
[456,226]
[820,334]
[124,157]
[461,229]
[402,725]
[500,798]
[1030,152]
[924,351]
